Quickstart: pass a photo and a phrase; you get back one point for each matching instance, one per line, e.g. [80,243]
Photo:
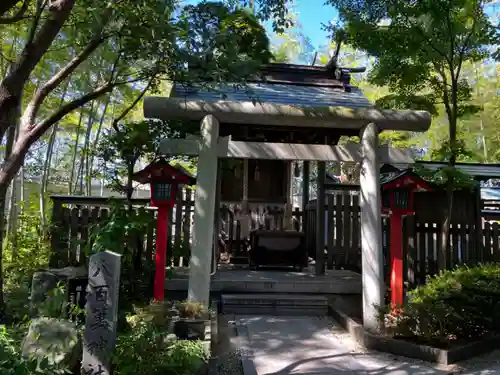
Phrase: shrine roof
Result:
[287,95]
[280,93]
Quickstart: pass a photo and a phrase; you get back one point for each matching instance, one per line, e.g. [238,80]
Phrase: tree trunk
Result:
[98,134]
[86,154]
[130,188]
[450,185]
[11,137]
[85,150]
[75,153]
[14,212]
[39,41]
[10,226]
[3,196]
[5,181]
[481,122]
[46,167]
[11,193]
[45,176]
[21,184]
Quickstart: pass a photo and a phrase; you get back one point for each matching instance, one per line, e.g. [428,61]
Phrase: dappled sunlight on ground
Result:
[318,346]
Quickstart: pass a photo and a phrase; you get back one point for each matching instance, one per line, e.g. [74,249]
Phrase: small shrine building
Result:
[287,113]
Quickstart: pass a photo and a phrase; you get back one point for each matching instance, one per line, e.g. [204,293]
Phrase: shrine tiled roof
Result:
[278,93]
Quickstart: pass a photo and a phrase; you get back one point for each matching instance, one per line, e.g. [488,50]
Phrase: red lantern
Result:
[397,201]
[164,180]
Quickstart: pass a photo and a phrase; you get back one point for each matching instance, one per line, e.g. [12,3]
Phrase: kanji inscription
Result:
[102,311]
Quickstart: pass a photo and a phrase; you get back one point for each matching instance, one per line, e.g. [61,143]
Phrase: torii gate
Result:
[210,147]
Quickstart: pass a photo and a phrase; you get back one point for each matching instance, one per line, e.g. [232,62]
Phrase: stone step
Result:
[274,304]
[239,260]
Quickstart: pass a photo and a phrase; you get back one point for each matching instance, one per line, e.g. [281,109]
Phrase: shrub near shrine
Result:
[458,306]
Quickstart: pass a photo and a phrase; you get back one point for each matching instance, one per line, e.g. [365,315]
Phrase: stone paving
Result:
[231,279]
[318,346]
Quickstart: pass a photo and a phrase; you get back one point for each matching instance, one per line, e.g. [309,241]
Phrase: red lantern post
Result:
[164,180]
[397,202]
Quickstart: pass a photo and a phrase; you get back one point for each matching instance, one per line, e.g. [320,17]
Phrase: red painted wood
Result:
[396,257]
[161,253]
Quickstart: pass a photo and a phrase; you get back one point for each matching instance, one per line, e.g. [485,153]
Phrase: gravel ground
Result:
[228,360]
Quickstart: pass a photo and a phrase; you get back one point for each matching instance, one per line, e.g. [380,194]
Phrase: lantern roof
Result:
[160,169]
[407,176]
[390,177]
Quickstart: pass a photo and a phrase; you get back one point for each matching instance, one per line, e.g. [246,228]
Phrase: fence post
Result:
[331,233]
[410,251]
[480,250]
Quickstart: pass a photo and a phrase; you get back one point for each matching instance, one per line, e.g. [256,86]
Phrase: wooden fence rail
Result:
[73,218]
[421,240]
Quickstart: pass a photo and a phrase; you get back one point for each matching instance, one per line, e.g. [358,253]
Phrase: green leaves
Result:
[421,48]
[218,45]
[408,101]
[454,305]
[275,10]
[146,350]
[125,144]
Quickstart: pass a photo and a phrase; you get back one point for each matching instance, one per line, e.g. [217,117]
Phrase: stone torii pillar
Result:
[371,229]
[204,213]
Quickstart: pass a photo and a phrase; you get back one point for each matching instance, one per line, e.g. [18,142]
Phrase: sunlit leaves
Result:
[275,10]
[421,48]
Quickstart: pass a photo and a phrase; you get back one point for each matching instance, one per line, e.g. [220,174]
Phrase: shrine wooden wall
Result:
[267,185]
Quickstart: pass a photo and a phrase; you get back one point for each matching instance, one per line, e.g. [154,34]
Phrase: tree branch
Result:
[12,85]
[428,40]
[127,110]
[463,49]
[40,6]
[18,16]
[31,111]
[7,5]
[34,105]
[451,36]
[40,128]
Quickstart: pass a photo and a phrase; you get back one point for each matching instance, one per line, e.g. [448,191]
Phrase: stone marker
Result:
[102,310]
[45,281]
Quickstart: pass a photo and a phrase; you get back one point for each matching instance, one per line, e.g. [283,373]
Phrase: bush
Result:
[460,304]
[157,313]
[148,350]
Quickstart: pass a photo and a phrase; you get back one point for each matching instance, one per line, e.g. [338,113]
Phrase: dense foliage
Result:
[24,256]
[123,233]
[11,361]
[148,349]
[421,48]
[99,58]
[456,305]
